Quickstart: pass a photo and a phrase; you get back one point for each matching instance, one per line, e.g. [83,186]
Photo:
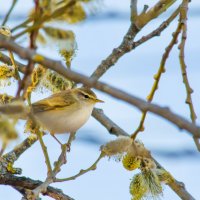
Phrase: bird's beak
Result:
[99,101]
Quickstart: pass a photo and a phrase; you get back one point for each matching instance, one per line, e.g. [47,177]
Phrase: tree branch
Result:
[189,90]
[112,128]
[117,53]
[31,184]
[133,10]
[21,148]
[126,46]
[157,31]
[141,104]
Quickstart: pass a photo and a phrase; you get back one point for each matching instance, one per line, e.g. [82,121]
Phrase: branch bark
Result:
[31,184]
[21,148]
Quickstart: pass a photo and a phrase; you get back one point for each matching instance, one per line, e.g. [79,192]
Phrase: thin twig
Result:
[24,84]
[22,25]
[157,78]
[17,76]
[51,177]
[44,149]
[189,90]
[9,12]
[116,53]
[82,171]
[157,31]
[134,13]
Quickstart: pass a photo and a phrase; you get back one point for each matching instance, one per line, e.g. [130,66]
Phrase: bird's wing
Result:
[55,101]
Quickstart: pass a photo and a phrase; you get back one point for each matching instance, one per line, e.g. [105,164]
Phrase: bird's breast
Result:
[61,121]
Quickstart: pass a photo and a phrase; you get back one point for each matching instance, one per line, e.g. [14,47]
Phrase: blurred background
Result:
[107,23]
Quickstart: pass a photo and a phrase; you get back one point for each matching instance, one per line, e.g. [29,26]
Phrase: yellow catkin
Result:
[144,185]
[74,14]
[137,188]
[153,183]
[6,72]
[67,55]
[164,176]
[4,98]
[59,34]
[55,82]
[130,163]
[36,77]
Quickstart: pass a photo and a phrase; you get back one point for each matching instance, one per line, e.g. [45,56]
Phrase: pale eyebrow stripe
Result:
[92,97]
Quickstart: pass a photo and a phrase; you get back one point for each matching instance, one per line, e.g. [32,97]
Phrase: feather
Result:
[54,102]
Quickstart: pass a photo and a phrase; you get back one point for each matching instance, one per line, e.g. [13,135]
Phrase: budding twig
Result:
[157,77]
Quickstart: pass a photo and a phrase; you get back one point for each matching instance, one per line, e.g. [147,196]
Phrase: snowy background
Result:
[174,149]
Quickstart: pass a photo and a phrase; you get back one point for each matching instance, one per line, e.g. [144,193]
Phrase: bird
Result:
[65,111]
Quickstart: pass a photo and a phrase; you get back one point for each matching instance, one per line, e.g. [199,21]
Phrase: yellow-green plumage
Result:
[65,111]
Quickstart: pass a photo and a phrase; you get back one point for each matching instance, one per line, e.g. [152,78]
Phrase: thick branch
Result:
[117,93]
[109,124]
[31,184]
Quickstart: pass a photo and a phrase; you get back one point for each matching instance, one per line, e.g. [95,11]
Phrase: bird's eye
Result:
[86,96]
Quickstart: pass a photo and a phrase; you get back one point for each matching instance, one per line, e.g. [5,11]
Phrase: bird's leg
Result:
[71,138]
[52,134]
[62,145]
